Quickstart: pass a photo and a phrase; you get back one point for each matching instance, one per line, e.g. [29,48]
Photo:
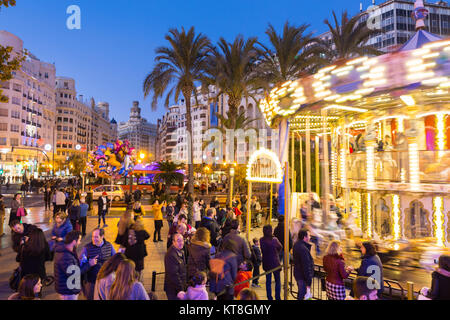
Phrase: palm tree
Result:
[350,38]
[178,68]
[293,54]
[231,68]
[169,174]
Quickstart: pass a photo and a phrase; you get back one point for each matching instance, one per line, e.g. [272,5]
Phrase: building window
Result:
[3,112]
[2,141]
[14,142]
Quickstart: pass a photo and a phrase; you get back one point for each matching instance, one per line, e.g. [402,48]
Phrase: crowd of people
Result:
[207,256]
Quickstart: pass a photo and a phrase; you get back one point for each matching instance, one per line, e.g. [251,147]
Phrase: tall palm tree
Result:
[231,68]
[349,38]
[179,66]
[294,53]
[169,174]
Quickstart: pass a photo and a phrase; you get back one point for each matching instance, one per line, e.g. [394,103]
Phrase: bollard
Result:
[410,286]
[153,281]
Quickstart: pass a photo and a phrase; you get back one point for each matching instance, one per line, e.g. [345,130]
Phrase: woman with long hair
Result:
[106,276]
[199,252]
[371,265]
[29,288]
[74,214]
[125,223]
[270,249]
[34,253]
[337,272]
[125,286]
[15,205]
[135,248]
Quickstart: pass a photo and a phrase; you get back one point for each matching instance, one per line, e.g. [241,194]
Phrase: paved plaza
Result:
[153,262]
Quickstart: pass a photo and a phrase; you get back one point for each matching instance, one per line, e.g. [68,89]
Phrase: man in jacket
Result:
[303,263]
[103,205]
[211,224]
[67,268]
[279,234]
[242,248]
[175,268]
[93,256]
[221,284]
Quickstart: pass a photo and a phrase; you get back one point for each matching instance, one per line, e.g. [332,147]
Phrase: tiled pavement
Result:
[153,262]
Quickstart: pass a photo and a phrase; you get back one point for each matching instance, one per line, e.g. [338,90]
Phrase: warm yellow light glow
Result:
[420,75]
[401,124]
[345,108]
[437,44]
[333,167]
[369,216]
[440,131]
[408,100]
[370,165]
[396,216]
[357,60]
[142,156]
[414,172]
[343,171]
[270,155]
[438,215]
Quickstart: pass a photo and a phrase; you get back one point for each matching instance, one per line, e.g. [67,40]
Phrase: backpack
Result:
[132,237]
[216,266]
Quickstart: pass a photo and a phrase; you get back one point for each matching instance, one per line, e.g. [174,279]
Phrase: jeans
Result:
[255,274]
[83,225]
[158,226]
[277,285]
[100,216]
[301,289]
[68,297]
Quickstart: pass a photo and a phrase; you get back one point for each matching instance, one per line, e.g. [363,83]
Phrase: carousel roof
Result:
[421,38]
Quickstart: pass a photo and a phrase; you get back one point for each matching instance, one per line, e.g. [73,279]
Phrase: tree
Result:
[169,174]
[350,38]
[9,62]
[293,54]
[77,164]
[179,66]
[232,69]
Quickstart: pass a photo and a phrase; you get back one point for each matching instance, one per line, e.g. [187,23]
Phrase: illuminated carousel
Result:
[386,122]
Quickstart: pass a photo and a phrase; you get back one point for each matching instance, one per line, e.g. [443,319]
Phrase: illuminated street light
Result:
[142,155]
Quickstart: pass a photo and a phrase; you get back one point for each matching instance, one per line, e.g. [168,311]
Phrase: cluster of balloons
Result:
[112,160]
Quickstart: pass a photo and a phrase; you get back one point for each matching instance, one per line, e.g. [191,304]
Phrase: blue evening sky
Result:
[114,50]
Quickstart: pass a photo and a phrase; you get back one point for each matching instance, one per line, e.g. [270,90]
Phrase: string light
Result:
[396,216]
[438,220]
[414,173]
[370,164]
[369,216]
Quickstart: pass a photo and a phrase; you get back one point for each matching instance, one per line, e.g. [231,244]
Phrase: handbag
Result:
[15,278]
[21,212]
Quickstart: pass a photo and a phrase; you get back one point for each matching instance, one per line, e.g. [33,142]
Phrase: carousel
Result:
[380,128]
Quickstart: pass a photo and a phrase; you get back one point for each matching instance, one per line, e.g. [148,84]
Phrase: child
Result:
[196,289]
[244,273]
[257,260]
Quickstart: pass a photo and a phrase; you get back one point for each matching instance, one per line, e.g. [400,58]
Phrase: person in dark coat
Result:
[20,232]
[211,224]
[61,228]
[242,249]
[103,205]
[15,205]
[66,262]
[371,265]
[136,249]
[199,253]
[179,200]
[257,261]
[279,234]
[270,249]
[303,263]
[221,285]
[175,268]
[440,285]
[33,254]
[2,215]
[74,214]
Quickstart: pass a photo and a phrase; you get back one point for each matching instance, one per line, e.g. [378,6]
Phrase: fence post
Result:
[410,294]
[153,281]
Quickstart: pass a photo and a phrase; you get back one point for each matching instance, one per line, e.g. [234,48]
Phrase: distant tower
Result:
[104,109]
[135,113]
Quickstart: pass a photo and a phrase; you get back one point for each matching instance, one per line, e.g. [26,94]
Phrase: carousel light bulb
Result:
[343,169]
[369,216]
[414,171]
[396,216]
[440,131]
[439,220]
[370,162]
[408,100]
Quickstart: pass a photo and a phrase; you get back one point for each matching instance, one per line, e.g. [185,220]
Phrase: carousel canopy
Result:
[421,38]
